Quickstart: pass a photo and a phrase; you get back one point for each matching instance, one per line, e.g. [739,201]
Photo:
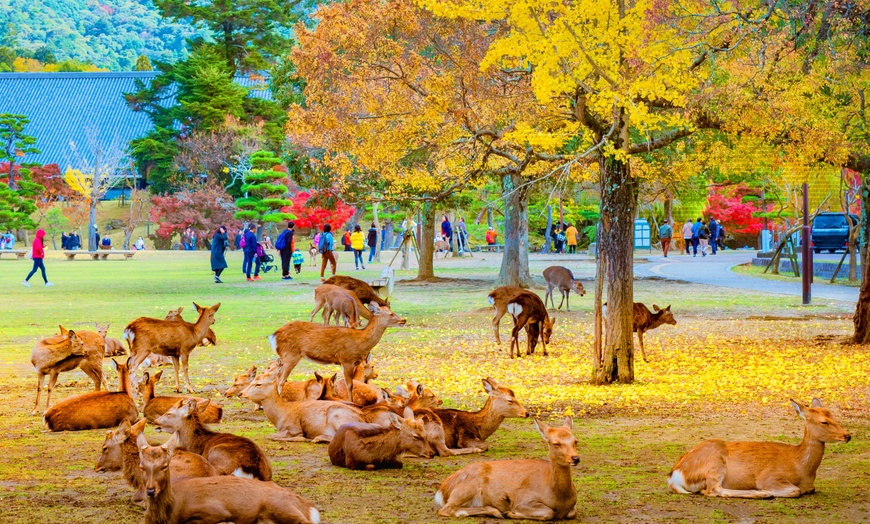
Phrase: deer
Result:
[331,344]
[213,499]
[229,454]
[424,396]
[154,406]
[755,470]
[530,313]
[292,392]
[561,278]
[645,320]
[342,302]
[363,394]
[305,421]
[499,299]
[312,254]
[154,359]
[120,453]
[56,354]
[464,429]
[517,489]
[371,447]
[173,338]
[364,292]
[433,427]
[97,409]
[113,346]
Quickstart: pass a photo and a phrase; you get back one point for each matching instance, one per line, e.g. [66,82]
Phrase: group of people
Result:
[447,233]
[7,240]
[565,237]
[188,239]
[71,241]
[695,234]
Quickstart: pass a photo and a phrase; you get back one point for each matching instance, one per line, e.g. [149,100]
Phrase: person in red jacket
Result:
[38,254]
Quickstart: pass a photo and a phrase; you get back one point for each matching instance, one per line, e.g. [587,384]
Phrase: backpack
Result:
[281,242]
[560,237]
[242,242]
[260,251]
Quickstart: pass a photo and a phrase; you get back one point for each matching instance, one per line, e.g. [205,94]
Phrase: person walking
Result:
[447,231]
[558,239]
[571,238]
[285,245]
[696,228]
[703,238]
[372,241]
[345,240]
[325,247]
[38,254]
[74,241]
[666,232]
[687,235]
[251,254]
[713,226]
[357,243]
[491,236]
[298,259]
[219,244]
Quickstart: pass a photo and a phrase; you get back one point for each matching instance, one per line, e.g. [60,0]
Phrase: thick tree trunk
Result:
[515,263]
[426,269]
[862,308]
[616,246]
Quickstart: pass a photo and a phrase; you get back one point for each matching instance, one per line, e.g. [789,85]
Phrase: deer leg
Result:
[177,378]
[349,368]
[288,362]
[543,342]
[496,320]
[40,378]
[548,295]
[479,511]
[568,300]
[184,367]
[532,511]
[317,305]
[780,489]
[52,380]
[563,298]
[515,333]
[640,341]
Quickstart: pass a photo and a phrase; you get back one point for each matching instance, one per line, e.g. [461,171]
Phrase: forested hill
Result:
[108,33]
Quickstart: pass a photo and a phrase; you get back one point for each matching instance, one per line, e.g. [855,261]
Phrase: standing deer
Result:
[58,353]
[173,338]
[361,289]
[229,454]
[530,313]
[756,470]
[154,406]
[113,346]
[371,446]
[97,409]
[561,278]
[341,302]
[645,320]
[214,499]
[517,489]
[330,344]
[499,299]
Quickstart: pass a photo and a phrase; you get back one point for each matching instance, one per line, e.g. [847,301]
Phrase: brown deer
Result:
[173,338]
[465,429]
[155,406]
[517,489]
[154,359]
[97,409]
[645,320]
[340,301]
[58,353]
[214,499]
[370,446]
[434,428]
[756,470]
[419,396]
[364,292]
[330,344]
[499,299]
[120,453]
[229,454]
[292,392]
[305,421]
[113,346]
[530,313]
[561,278]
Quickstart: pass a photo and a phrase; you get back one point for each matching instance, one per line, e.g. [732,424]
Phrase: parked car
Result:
[831,231]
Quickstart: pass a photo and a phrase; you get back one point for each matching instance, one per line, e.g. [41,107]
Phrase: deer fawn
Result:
[499,300]
[363,394]
[645,320]
[364,292]
[97,409]
[464,429]
[330,344]
[155,406]
[113,346]
[561,278]
[214,499]
[341,302]
[371,446]
[530,313]
[173,338]
[517,489]
[229,454]
[756,470]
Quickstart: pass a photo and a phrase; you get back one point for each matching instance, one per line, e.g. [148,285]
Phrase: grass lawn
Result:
[726,370]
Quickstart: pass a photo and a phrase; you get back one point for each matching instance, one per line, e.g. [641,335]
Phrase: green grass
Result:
[628,436]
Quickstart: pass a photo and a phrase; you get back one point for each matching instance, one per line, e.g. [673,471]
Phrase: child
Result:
[298,259]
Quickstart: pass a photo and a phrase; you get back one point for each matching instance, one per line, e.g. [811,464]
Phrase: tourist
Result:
[298,259]
[345,240]
[571,238]
[447,231]
[251,258]
[38,254]
[106,243]
[219,245]
[357,243]
[713,226]
[703,238]
[140,244]
[461,235]
[687,235]
[192,240]
[74,242]
[325,247]
[558,239]
[64,240]
[372,241]
[491,236]
[285,244]
[666,232]
[696,228]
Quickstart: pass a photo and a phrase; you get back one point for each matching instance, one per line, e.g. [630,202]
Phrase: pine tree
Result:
[265,197]
[143,64]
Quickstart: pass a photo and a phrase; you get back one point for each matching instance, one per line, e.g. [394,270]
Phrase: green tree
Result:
[14,142]
[265,197]
[143,64]
[16,205]
[56,222]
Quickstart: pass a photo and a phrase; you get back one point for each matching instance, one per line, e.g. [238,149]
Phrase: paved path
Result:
[715,270]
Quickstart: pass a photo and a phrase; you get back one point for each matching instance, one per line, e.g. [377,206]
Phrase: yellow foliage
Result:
[79,182]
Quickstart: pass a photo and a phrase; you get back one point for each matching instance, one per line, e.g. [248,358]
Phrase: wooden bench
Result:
[385,283]
[98,255]
[491,248]
[17,252]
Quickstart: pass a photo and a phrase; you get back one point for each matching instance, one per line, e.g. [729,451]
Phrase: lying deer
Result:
[113,346]
[756,470]
[517,489]
[97,409]
[370,446]
[499,300]
[645,320]
[561,278]
[364,292]
[464,429]
[341,302]
[432,425]
[364,394]
[330,344]
[229,454]
[530,313]
[120,453]
[155,406]
[292,391]
[214,499]
[173,338]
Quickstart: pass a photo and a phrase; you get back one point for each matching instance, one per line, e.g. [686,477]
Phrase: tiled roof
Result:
[76,107]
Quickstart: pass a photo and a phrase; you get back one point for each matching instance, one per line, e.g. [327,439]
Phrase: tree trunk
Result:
[862,307]
[597,343]
[618,203]
[378,229]
[548,239]
[489,216]
[92,226]
[515,262]
[128,234]
[669,207]
[426,269]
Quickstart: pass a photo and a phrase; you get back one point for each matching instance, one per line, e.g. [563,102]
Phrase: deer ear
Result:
[420,390]
[487,385]
[668,308]
[656,308]
[373,307]
[201,406]
[129,363]
[189,407]
[114,364]
[137,428]
[318,377]
[142,442]
[542,428]
[63,330]
[333,377]
[215,307]
[369,358]
[394,421]
[816,403]
[124,426]
[171,444]
[252,372]
[158,375]
[408,413]
[179,310]
[799,408]
[197,306]
[569,423]
[145,378]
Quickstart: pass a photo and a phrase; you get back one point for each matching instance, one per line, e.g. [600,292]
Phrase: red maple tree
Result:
[313,209]
[734,206]
[203,209]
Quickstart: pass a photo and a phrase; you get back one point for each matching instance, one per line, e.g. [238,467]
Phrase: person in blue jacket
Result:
[714,228]
[251,254]
[696,228]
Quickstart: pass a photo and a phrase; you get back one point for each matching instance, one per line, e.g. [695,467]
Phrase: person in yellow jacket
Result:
[571,238]
[357,243]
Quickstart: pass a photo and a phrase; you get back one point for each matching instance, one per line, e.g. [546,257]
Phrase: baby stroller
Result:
[267,261]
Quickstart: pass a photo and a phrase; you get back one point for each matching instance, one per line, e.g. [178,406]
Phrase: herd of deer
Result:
[200,475]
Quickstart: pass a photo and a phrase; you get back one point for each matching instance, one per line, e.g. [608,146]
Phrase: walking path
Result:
[715,270]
